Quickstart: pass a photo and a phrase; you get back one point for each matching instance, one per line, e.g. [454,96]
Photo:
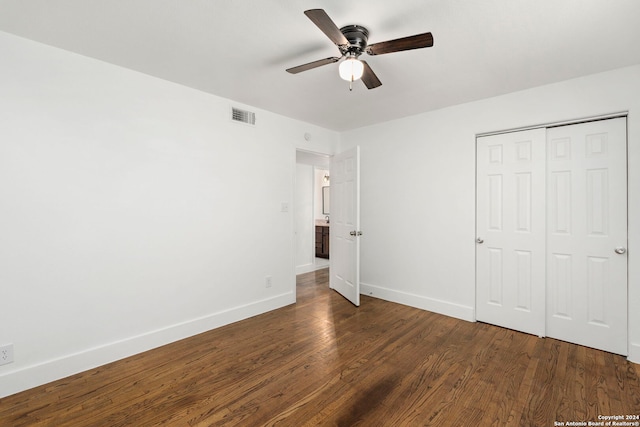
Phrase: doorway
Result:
[312,175]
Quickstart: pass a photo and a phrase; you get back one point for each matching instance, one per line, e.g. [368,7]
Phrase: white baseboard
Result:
[634,353]
[32,376]
[308,268]
[430,304]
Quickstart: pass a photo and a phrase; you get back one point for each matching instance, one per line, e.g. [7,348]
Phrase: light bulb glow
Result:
[351,69]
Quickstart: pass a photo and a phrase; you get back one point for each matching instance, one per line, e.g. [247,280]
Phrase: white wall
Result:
[133,212]
[418,217]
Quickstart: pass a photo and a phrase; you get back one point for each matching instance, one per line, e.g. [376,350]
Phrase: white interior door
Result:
[345,225]
[510,255]
[586,225]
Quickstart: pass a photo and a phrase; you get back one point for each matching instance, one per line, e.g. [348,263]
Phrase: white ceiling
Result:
[239,49]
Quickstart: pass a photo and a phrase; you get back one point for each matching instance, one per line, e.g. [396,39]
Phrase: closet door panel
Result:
[587,221]
[510,230]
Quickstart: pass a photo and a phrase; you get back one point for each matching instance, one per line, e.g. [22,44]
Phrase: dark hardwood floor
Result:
[323,361]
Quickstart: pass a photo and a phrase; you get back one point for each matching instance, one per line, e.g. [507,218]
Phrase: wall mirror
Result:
[325,200]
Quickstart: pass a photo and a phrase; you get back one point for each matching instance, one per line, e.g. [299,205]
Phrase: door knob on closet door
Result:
[479,240]
[620,250]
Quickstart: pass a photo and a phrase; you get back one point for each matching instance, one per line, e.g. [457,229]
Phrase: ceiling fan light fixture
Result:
[351,69]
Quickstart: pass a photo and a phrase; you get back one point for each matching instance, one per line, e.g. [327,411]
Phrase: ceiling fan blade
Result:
[369,78]
[327,26]
[406,43]
[312,65]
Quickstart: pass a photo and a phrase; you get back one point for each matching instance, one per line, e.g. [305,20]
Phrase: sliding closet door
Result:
[510,255]
[587,234]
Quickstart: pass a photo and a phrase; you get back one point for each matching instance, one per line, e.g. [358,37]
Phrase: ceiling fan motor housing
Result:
[357,37]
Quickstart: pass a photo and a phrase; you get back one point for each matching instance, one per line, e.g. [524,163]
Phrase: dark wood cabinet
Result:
[322,241]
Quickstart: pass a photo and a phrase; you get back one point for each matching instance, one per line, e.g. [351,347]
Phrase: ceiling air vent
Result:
[243,116]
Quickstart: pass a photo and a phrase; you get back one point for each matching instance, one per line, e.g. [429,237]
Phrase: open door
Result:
[345,232]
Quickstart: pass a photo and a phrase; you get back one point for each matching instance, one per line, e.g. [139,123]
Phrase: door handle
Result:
[479,240]
[355,233]
[620,250]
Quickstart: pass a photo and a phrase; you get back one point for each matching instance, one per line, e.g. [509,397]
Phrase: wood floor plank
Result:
[323,361]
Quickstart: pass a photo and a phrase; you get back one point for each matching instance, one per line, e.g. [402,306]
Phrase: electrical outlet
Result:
[6,354]
[267,281]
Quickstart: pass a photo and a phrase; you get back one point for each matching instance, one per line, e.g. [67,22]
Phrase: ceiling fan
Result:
[351,40]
